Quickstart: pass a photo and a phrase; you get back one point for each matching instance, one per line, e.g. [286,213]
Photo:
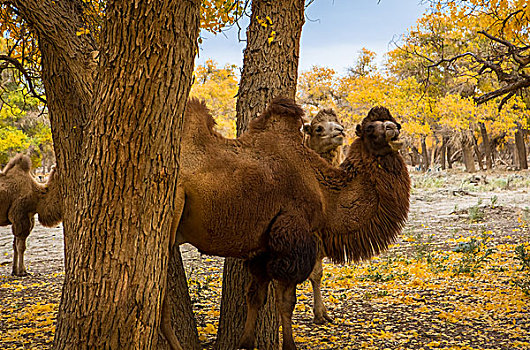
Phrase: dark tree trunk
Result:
[520,149]
[116,138]
[270,69]
[487,146]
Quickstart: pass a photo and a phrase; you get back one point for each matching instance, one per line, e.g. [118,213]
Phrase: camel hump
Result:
[198,116]
[286,108]
[21,161]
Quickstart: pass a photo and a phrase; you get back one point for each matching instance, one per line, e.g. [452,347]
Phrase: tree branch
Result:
[26,75]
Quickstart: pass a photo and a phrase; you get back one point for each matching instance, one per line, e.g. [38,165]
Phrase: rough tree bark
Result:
[116,129]
[270,69]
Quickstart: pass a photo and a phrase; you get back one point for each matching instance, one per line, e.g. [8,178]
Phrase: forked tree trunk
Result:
[522,162]
[117,147]
[487,146]
[270,69]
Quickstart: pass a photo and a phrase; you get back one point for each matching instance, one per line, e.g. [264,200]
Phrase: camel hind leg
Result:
[320,314]
[293,252]
[256,298]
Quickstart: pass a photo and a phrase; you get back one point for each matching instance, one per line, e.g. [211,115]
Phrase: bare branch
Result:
[20,67]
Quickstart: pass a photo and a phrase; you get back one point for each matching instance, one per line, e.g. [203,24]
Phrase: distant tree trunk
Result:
[116,136]
[477,153]
[520,148]
[487,146]
[425,162]
[469,162]
[270,69]
[449,155]
[443,151]
[435,150]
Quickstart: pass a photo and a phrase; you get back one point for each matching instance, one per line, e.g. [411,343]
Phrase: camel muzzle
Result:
[392,136]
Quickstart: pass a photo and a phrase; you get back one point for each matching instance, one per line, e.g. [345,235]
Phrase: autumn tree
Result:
[115,100]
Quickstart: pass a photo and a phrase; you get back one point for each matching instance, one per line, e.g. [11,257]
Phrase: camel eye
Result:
[319,129]
[370,129]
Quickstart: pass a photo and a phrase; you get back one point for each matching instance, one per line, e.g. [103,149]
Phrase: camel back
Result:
[21,161]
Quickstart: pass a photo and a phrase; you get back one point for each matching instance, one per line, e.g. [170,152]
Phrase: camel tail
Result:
[20,161]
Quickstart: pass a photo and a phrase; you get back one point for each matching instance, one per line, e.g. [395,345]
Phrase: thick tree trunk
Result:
[487,146]
[520,149]
[270,69]
[117,224]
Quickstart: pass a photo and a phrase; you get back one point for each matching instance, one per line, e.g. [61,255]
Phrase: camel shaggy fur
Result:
[20,198]
[268,199]
[324,135]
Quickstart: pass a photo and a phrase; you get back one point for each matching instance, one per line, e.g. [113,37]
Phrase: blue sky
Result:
[333,34]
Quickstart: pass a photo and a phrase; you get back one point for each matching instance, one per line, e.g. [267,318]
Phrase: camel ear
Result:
[398,126]
[307,128]
[358,130]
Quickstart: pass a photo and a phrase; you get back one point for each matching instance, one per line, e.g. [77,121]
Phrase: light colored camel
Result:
[21,196]
[268,199]
[324,135]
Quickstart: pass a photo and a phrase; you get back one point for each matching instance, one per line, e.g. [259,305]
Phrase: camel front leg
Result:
[286,302]
[256,298]
[21,228]
[320,314]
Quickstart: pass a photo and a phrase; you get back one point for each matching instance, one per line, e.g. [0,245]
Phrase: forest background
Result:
[434,79]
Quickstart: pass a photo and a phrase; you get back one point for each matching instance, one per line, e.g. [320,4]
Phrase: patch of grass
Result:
[428,182]
[522,255]
[476,213]
[474,254]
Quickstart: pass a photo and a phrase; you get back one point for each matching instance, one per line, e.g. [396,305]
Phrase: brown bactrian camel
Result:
[324,135]
[21,196]
[268,199]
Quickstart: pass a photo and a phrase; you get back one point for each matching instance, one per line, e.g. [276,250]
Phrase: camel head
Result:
[325,133]
[379,132]
[50,206]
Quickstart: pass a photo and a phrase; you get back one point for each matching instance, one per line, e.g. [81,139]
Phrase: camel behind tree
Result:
[266,198]
[21,196]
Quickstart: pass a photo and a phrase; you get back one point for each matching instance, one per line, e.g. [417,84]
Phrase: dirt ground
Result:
[450,282]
